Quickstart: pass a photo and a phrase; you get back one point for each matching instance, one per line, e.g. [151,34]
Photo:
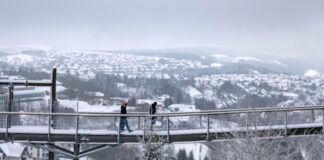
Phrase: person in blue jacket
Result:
[123,119]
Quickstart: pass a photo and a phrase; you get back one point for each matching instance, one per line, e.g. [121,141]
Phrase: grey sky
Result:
[275,27]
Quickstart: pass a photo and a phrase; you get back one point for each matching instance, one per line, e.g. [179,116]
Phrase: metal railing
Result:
[203,122]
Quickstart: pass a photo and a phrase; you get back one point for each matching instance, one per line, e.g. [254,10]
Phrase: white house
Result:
[13,151]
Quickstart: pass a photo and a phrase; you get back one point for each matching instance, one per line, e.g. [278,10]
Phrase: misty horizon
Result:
[276,28]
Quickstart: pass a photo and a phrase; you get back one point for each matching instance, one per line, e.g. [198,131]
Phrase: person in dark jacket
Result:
[123,120]
[153,111]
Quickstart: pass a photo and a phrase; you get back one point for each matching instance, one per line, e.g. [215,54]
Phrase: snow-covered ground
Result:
[199,150]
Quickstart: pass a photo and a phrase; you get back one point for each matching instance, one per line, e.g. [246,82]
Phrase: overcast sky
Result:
[274,27]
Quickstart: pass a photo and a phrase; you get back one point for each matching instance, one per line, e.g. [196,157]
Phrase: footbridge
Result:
[103,128]
[49,125]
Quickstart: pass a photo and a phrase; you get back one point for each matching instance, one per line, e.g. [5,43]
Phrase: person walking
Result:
[123,119]
[153,111]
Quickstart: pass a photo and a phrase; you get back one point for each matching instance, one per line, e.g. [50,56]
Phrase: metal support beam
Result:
[53,107]
[25,83]
[77,130]
[76,151]
[208,124]
[60,149]
[7,128]
[138,123]
[53,91]
[118,130]
[77,125]
[53,149]
[10,104]
[49,129]
[168,128]
[50,155]
[94,150]
[9,109]
[323,121]
[247,122]
[115,121]
[313,116]
[144,129]
[255,122]
[286,123]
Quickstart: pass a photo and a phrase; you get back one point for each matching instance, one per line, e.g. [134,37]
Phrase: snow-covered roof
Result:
[193,92]
[145,101]
[26,92]
[182,107]
[311,73]
[12,149]
[216,65]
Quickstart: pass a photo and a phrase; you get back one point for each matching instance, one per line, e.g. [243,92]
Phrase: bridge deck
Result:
[40,134]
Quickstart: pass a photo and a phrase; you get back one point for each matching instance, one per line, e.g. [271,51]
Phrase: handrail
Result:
[223,111]
[26,83]
[201,113]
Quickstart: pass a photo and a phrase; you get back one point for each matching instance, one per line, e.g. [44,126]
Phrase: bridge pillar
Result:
[76,151]
[53,107]
[323,121]
[53,94]
[10,104]
[50,155]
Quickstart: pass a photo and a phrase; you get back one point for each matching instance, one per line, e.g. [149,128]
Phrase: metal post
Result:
[115,121]
[138,123]
[200,120]
[168,129]
[255,122]
[77,125]
[7,128]
[76,151]
[11,97]
[51,155]
[323,121]
[276,120]
[144,121]
[77,130]
[208,123]
[53,94]
[286,123]
[118,136]
[49,129]
[313,116]
[52,106]
[247,122]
